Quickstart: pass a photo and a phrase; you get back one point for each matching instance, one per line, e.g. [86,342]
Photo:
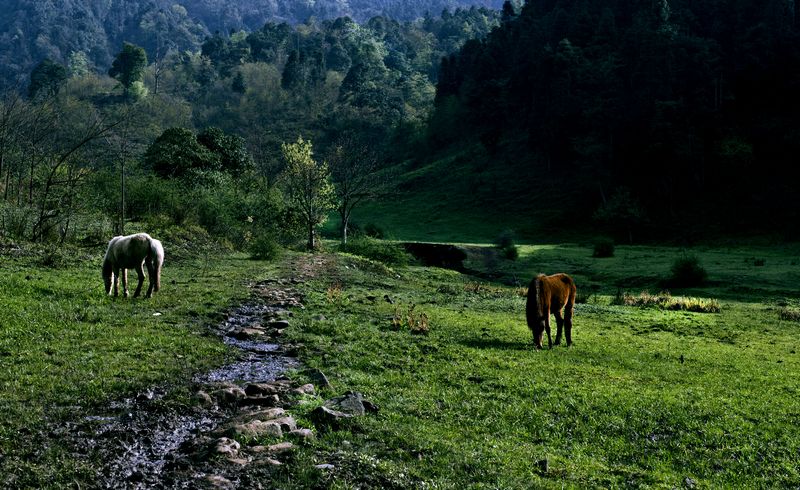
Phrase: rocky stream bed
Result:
[147,442]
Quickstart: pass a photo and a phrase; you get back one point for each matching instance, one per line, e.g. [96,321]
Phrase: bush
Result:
[371,248]
[665,300]
[687,272]
[505,244]
[603,248]
[264,247]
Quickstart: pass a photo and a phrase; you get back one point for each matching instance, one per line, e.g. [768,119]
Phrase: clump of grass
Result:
[687,272]
[668,302]
[489,291]
[416,323]
[603,248]
[790,314]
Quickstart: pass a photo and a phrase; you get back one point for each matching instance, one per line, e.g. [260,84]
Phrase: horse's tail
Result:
[157,259]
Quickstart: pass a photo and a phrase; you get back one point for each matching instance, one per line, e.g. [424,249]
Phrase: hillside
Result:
[31,30]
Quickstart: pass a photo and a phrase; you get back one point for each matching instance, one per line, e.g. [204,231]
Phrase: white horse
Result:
[130,252]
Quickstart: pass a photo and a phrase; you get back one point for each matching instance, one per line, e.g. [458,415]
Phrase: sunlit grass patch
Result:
[665,300]
[790,314]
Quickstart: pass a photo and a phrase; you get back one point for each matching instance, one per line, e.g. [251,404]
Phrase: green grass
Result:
[65,348]
[646,397]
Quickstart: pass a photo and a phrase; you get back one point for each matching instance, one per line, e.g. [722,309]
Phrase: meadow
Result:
[646,396]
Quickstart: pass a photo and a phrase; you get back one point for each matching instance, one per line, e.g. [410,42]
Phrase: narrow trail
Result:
[147,442]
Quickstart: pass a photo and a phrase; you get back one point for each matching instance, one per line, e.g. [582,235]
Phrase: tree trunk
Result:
[310,235]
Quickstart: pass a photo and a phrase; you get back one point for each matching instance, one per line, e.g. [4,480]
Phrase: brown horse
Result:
[550,294]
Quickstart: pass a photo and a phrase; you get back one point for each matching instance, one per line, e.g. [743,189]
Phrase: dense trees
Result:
[128,68]
[672,100]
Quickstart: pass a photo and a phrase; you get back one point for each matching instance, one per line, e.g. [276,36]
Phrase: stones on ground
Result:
[306,389]
[302,434]
[229,395]
[279,448]
[352,403]
[278,324]
[388,299]
[260,389]
[227,447]
[320,318]
[326,417]
[689,482]
[324,466]
[203,399]
[262,401]
[217,481]
[318,378]
[257,428]
[247,333]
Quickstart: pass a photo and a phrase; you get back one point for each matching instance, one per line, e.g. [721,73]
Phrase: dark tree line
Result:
[689,104]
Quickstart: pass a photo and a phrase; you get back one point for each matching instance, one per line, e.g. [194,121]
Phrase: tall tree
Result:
[47,79]
[128,67]
[356,173]
[308,185]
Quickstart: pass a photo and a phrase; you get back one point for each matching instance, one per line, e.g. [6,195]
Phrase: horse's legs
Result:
[125,282]
[116,282]
[151,277]
[547,327]
[140,276]
[568,324]
[560,325]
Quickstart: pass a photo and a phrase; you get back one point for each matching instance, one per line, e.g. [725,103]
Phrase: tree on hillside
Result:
[46,79]
[177,153]
[233,155]
[356,174]
[128,69]
[308,185]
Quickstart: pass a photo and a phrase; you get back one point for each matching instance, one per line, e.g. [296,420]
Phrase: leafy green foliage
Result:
[46,79]
[177,152]
[308,186]
[128,67]
[264,247]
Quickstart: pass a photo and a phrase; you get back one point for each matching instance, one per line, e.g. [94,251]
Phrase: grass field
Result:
[645,398]
[66,348]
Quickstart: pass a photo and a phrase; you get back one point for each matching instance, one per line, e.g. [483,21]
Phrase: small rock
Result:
[261,401]
[246,333]
[227,447]
[318,378]
[260,389]
[352,403]
[280,448]
[306,389]
[371,297]
[269,462]
[287,424]
[229,395]
[689,482]
[320,318]
[257,428]
[279,324]
[269,414]
[203,399]
[239,461]
[388,299]
[217,481]
[303,434]
[324,416]
[324,466]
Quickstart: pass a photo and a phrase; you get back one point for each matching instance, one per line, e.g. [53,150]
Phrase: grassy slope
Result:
[458,196]
[645,397]
[65,347]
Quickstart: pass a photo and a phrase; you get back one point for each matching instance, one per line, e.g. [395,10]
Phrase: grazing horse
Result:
[549,294]
[130,252]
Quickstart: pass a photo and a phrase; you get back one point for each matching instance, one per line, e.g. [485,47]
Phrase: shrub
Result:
[371,248]
[505,244]
[603,248]
[417,323]
[789,314]
[264,247]
[687,272]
